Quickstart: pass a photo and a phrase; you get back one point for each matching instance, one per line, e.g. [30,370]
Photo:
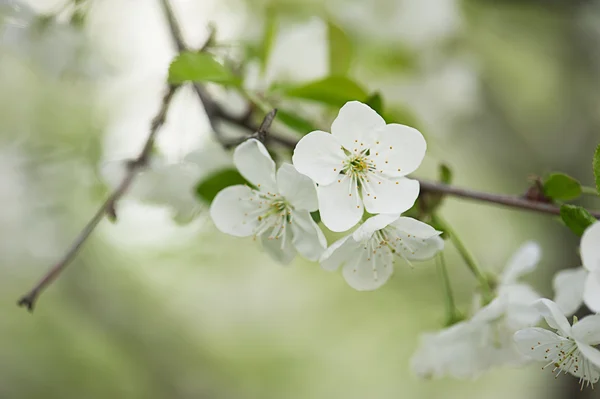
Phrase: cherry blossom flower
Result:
[471,347]
[277,212]
[368,254]
[361,165]
[570,350]
[581,285]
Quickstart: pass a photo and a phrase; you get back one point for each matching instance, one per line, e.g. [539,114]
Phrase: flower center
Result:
[357,166]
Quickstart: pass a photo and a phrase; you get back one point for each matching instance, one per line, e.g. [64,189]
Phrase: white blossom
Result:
[368,254]
[277,212]
[570,350]
[581,285]
[471,347]
[361,165]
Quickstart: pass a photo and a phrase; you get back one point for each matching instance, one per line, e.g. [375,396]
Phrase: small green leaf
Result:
[199,67]
[445,174]
[316,216]
[333,90]
[376,102]
[560,186]
[295,122]
[208,188]
[340,50]
[576,218]
[596,165]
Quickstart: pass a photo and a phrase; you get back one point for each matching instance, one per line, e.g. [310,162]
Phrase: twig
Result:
[107,208]
[216,114]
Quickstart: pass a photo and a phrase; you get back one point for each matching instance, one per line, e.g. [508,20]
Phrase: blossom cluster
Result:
[355,173]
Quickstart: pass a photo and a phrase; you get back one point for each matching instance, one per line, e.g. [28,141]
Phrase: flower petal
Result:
[338,253]
[568,288]
[308,239]
[281,250]
[415,240]
[522,262]
[535,341]
[590,353]
[234,209]
[398,149]
[389,196]
[554,316]
[591,291]
[298,189]
[355,124]
[339,204]
[372,224]
[253,161]
[368,271]
[588,329]
[590,247]
[319,156]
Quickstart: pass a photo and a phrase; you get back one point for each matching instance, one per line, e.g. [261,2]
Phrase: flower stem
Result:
[452,313]
[467,256]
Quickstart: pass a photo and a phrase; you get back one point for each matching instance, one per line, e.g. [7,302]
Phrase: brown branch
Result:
[216,113]
[107,208]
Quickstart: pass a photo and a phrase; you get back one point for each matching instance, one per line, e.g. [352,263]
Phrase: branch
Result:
[107,208]
[216,113]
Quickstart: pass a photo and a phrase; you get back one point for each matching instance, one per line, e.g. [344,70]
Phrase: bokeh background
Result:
[503,90]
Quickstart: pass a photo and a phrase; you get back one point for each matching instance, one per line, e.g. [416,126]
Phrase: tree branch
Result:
[216,113]
[107,208]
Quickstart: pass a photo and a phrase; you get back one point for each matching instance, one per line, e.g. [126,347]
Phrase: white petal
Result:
[389,196]
[588,330]
[319,156]
[234,209]
[416,240]
[554,316]
[590,353]
[491,311]
[368,271]
[339,204]
[355,124]
[535,341]
[522,262]
[253,161]
[591,291]
[308,239]
[338,253]
[281,250]
[519,311]
[210,158]
[298,189]
[372,224]
[398,149]
[590,247]
[568,288]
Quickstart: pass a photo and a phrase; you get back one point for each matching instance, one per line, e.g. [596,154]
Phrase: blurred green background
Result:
[503,90]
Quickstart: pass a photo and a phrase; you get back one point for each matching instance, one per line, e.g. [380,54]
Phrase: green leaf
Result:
[199,67]
[596,165]
[295,122]
[376,102]
[316,216]
[268,39]
[560,186]
[445,174]
[333,90]
[402,115]
[340,50]
[208,188]
[576,218]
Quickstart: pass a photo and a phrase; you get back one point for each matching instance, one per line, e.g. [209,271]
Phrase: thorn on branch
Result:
[28,301]
[263,129]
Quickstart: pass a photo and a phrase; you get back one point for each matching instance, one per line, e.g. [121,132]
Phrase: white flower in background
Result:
[278,212]
[170,184]
[581,285]
[362,161]
[571,350]
[471,347]
[367,255]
